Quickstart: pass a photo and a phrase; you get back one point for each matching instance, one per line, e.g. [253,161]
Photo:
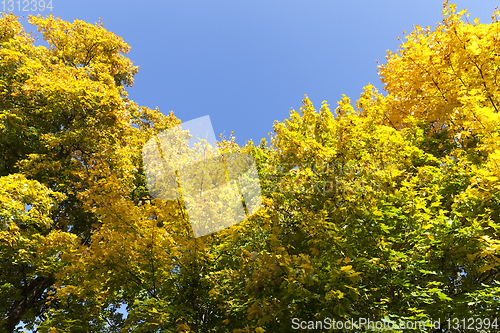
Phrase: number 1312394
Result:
[26,5]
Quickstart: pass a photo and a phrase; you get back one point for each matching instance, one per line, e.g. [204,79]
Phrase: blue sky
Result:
[246,63]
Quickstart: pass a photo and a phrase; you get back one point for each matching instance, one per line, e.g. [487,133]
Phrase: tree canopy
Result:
[387,208]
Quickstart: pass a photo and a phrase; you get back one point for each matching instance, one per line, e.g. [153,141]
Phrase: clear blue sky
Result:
[246,63]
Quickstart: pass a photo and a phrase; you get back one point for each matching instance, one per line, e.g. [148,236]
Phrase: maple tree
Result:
[65,129]
[387,209]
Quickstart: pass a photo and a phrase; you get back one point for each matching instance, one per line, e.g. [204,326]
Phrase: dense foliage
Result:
[387,209]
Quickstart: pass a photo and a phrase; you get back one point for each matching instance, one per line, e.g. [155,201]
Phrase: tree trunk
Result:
[32,293]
